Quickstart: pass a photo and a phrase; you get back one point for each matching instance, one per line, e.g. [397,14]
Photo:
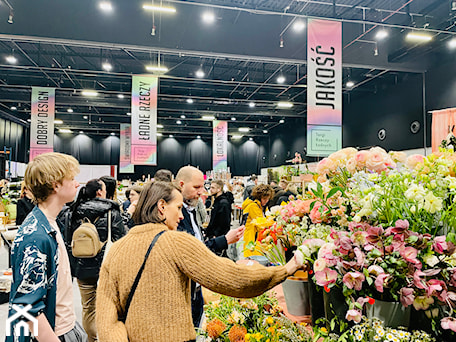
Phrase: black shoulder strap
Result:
[123,318]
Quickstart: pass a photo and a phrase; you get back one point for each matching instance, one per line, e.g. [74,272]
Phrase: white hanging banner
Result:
[144,120]
[125,149]
[42,124]
[220,145]
[324,87]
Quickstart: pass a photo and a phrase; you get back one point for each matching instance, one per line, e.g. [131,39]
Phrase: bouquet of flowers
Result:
[258,319]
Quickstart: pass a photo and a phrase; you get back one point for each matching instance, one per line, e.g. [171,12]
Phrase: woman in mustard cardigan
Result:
[254,207]
[160,310]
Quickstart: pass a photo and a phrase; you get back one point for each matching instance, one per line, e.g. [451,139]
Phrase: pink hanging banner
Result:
[324,87]
[220,145]
[42,121]
[125,165]
[144,120]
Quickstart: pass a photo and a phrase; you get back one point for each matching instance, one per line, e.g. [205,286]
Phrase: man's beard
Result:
[193,202]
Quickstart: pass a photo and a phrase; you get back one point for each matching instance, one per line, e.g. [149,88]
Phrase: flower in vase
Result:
[448,323]
[381,281]
[353,315]
[326,277]
[354,280]
[406,296]
[422,302]
[319,265]
[410,254]
[440,245]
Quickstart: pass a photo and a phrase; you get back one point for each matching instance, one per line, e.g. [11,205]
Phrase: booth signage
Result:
[42,121]
[324,87]
[220,145]
[144,120]
[125,149]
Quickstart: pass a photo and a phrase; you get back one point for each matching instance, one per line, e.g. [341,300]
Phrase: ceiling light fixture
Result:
[171,136]
[89,93]
[281,79]
[58,122]
[107,66]
[85,117]
[452,43]
[105,6]
[183,116]
[11,59]
[350,84]
[129,114]
[233,119]
[265,131]
[13,108]
[198,137]
[251,104]
[120,96]
[284,104]
[179,122]
[244,129]
[418,37]
[381,34]
[159,134]
[236,136]
[251,139]
[159,8]
[70,110]
[112,133]
[208,117]
[29,120]
[281,42]
[200,73]
[281,121]
[208,17]
[10,17]
[159,126]
[65,130]
[81,132]
[190,101]
[298,26]
[156,68]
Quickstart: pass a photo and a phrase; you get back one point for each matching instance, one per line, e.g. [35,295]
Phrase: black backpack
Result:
[64,218]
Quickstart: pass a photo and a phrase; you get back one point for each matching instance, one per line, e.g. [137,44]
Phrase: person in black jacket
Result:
[220,221]
[92,204]
[24,205]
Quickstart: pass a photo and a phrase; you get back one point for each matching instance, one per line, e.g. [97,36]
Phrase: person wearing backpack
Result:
[91,206]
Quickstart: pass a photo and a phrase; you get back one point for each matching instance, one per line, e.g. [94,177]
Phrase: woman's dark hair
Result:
[262,190]
[111,185]
[163,175]
[146,210]
[88,192]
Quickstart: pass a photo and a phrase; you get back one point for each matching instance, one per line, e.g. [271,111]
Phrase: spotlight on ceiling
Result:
[233,119]
[200,73]
[29,120]
[159,134]
[281,121]
[198,137]
[244,129]
[70,110]
[208,17]
[58,122]
[284,105]
[236,136]
[281,79]
[121,96]
[183,116]
[299,26]
[190,101]
[251,139]
[105,6]
[265,131]
[418,37]
[452,43]
[171,136]
[350,84]
[179,122]
[13,108]
[251,104]
[89,93]
[11,59]
[85,117]
[208,117]
[157,68]
[112,133]
[159,126]
[381,34]
[10,18]
[164,9]
[81,132]
[65,130]
[107,66]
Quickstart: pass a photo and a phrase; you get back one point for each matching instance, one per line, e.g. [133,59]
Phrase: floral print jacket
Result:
[34,258]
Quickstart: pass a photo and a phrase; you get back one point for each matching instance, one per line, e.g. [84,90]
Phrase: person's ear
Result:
[161,206]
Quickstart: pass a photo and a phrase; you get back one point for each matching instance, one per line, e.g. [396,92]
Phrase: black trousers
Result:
[197,306]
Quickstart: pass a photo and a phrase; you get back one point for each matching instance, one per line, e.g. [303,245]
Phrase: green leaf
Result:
[333,191]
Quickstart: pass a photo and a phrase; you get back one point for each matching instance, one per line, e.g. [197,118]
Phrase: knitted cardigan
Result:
[161,308]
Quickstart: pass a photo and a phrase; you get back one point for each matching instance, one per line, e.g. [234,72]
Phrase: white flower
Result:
[432,204]
[431,260]
[415,192]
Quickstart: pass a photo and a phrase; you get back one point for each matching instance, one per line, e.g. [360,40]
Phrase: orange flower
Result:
[215,328]
[237,333]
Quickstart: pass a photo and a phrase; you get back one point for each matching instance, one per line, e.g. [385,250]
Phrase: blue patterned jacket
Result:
[34,259]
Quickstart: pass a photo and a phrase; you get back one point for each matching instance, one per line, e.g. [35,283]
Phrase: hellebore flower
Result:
[422,302]
[354,280]
[326,277]
[448,323]
[353,315]
[406,296]
[380,281]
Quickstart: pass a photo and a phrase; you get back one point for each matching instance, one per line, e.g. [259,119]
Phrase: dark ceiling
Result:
[63,44]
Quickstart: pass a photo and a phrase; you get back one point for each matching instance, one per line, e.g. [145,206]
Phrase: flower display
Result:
[258,319]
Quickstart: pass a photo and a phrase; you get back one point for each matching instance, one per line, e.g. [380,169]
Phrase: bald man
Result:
[191,181]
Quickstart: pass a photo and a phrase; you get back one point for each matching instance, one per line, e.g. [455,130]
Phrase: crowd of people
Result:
[148,285]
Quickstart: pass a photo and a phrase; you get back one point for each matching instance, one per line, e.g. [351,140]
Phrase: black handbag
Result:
[123,317]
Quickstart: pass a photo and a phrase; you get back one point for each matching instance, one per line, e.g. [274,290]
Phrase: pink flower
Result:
[325,166]
[440,245]
[417,281]
[406,296]
[353,315]
[448,323]
[360,257]
[345,245]
[409,254]
[359,238]
[413,160]
[319,265]
[374,234]
[315,214]
[354,280]
[375,270]
[361,158]
[381,281]
[326,249]
[434,285]
[422,302]
[326,277]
